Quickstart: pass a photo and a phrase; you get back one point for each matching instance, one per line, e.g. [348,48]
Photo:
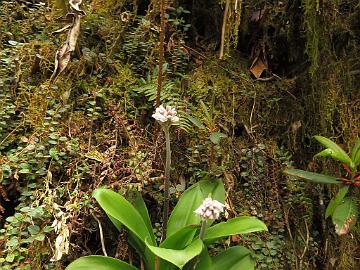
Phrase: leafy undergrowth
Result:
[93,128]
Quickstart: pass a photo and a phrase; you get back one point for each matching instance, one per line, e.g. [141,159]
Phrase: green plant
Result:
[185,247]
[342,208]
[166,117]
[25,229]
[176,18]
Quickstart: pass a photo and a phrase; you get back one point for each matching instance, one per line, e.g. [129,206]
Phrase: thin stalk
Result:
[101,235]
[223,30]
[157,263]
[201,237]
[202,230]
[166,182]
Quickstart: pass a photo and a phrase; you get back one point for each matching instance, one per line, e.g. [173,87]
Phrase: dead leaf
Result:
[258,67]
[236,238]
[63,54]
[75,4]
[74,33]
[69,18]
[62,58]
[95,155]
[65,28]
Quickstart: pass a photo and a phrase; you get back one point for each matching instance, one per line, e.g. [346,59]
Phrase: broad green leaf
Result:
[116,222]
[216,136]
[99,263]
[119,208]
[336,201]
[178,257]
[234,258]
[337,152]
[178,240]
[183,214]
[130,217]
[314,177]
[204,262]
[181,238]
[238,225]
[355,153]
[345,216]
[213,187]
[141,248]
[196,121]
[139,204]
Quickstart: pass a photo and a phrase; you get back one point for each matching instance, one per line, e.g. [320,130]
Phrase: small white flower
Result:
[166,115]
[210,209]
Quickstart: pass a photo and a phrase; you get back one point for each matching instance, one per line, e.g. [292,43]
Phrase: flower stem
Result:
[201,237]
[202,229]
[166,182]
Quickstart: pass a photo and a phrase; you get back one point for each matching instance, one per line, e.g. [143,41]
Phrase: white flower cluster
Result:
[166,115]
[210,209]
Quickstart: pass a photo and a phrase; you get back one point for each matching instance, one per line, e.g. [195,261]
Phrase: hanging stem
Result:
[223,30]
[166,182]
[161,56]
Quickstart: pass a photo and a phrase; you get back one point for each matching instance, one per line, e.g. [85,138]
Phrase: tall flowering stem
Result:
[166,116]
[166,182]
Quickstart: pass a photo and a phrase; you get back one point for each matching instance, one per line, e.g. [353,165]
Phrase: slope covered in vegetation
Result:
[289,70]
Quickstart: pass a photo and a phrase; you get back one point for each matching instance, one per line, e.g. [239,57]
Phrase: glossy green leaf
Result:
[337,152]
[216,136]
[238,225]
[178,240]
[234,258]
[183,214]
[336,201]
[178,257]
[139,204]
[214,188]
[116,222]
[119,208]
[205,262]
[345,216]
[99,263]
[139,245]
[181,238]
[355,153]
[314,177]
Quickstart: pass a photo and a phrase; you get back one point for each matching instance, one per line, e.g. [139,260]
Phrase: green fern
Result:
[169,96]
